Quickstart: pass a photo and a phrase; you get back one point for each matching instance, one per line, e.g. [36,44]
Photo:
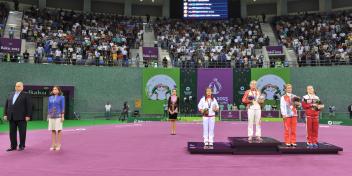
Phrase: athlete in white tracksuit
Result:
[210,104]
[252,98]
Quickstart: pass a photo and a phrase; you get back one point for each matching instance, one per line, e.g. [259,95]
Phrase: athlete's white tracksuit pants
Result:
[254,116]
[208,129]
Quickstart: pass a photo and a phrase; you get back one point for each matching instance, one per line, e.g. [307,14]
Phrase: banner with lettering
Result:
[220,81]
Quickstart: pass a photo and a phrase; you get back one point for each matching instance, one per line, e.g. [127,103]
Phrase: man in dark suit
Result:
[18,110]
[350,110]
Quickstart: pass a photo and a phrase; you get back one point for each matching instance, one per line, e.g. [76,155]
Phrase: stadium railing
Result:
[154,63]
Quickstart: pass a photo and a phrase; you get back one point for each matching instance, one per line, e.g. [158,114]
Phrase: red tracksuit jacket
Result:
[308,101]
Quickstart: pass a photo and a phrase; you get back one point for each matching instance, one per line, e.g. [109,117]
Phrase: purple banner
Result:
[275,50]
[150,52]
[220,81]
[242,115]
[230,115]
[10,45]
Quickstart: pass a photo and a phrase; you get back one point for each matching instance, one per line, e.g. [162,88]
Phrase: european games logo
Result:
[334,122]
[242,90]
[215,86]
[188,91]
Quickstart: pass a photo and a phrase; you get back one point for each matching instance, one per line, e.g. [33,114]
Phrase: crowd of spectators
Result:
[4,11]
[229,43]
[317,38]
[71,37]
[77,38]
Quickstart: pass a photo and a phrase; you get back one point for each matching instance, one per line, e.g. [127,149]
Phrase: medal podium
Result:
[266,146]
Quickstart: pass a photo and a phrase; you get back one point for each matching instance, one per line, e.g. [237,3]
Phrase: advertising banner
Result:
[220,81]
[157,87]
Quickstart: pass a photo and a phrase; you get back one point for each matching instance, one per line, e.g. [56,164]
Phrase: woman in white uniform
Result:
[208,105]
[253,98]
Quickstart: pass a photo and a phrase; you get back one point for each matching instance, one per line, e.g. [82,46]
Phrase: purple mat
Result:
[147,149]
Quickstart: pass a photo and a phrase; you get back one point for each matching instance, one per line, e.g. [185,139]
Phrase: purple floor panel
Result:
[148,149]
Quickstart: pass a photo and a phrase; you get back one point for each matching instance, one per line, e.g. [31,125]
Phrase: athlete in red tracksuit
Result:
[312,106]
[288,109]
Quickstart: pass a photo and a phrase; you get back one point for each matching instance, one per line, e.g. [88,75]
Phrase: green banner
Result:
[188,92]
[336,121]
[241,79]
[271,82]
[157,87]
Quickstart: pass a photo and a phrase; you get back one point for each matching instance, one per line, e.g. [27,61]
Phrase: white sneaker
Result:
[211,144]
[250,138]
[206,143]
[259,139]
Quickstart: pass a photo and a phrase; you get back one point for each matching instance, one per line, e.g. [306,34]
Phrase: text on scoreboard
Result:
[205,9]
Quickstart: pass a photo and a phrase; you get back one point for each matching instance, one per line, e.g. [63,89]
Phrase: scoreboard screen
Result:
[205,9]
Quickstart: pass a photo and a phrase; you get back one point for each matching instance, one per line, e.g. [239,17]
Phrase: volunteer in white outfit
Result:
[208,106]
[253,98]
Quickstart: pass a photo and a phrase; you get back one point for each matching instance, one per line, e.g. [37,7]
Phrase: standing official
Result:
[56,117]
[18,110]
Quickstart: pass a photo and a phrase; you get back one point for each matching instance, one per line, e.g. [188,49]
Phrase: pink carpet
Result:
[147,149]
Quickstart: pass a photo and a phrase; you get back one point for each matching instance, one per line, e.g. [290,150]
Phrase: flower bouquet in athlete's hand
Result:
[250,99]
[296,101]
[205,112]
[318,105]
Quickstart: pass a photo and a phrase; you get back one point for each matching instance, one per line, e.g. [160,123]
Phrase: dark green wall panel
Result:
[332,84]
[94,86]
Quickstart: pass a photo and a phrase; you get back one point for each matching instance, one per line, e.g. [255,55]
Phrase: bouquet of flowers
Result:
[296,101]
[319,106]
[205,112]
[251,98]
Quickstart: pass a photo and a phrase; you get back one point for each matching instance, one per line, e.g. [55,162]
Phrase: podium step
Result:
[266,146]
[243,142]
[218,148]
[324,148]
